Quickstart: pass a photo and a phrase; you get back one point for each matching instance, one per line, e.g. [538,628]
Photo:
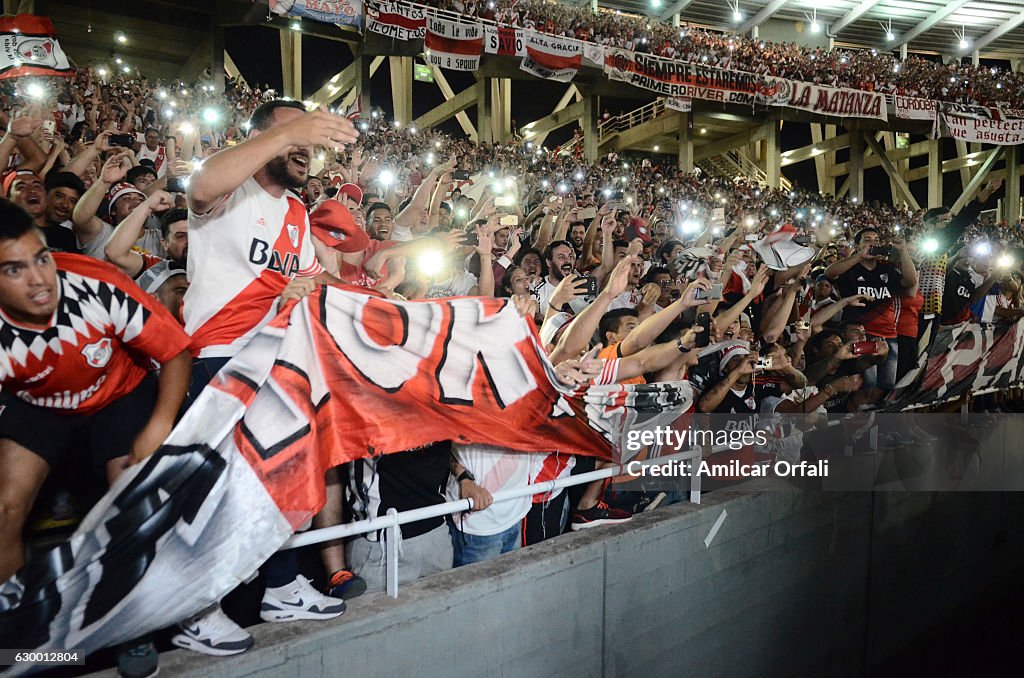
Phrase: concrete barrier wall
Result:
[794,583]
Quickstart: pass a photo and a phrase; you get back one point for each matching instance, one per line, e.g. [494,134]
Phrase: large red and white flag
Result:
[339,376]
[552,58]
[452,45]
[27,47]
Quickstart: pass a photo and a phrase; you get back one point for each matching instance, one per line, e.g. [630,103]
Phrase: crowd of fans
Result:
[769,303]
[853,68]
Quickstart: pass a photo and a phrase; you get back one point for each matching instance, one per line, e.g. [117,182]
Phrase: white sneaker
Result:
[212,632]
[298,600]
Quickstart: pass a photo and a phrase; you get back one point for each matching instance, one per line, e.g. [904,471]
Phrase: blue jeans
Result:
[886,371]
[473,548]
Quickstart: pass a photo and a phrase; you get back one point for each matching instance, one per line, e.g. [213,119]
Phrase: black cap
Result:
[134,173]
[64,180]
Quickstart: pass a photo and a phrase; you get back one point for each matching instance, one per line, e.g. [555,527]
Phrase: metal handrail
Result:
[392,522]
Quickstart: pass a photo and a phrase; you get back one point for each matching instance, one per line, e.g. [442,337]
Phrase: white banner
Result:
[504,41]
[552,58]
[454,46]
[593,54]
[835,101]
[913,108]
[342,12]
[980,124]
[397,21]
[682,104]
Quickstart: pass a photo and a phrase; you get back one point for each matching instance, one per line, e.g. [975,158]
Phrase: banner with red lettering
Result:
[338,12]
[671,78]
[28,47]
[913,108]
[453,45]
[504,41]
[980,124]
[396,20]
[339,376]
[834,101]
[552,58]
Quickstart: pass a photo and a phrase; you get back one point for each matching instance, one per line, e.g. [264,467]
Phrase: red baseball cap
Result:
[352,191]
[334,225]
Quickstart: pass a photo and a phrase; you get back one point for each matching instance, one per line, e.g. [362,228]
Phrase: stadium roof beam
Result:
[851,16]
[999,31]
[676,7]
[450,108]
[896,179]
[449,93]
[550,123]
[926,25]
[762,16]
[978,179]
[572,93]
[727,144]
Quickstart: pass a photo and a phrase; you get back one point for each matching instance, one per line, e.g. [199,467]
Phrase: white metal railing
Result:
[392,522]
[629,120]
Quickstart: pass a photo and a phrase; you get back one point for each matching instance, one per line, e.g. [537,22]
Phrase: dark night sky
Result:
[256,52]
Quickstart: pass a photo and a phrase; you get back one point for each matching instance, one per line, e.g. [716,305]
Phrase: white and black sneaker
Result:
[298,600]
[212,632]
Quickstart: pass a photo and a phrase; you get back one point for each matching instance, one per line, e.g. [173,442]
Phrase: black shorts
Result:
[104,435]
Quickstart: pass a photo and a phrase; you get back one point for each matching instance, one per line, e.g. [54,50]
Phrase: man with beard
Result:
[561,260]
[50,206]
[250,252]
[577,234]
[120,248]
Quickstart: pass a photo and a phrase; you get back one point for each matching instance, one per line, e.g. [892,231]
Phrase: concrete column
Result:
[934,173]
[1015,65]
[591,111]
[772,152]
[675,20]
[484,111]
[685,156]
[217,58]
[501,111]
[903,52]
[401,88]
[856,165]
[593,6]
[831,43]
[291,63]
[1011,205]
[976,57]
[362,82]
[755,32]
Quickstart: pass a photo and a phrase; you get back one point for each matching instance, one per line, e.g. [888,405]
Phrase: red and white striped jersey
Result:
[241,254]
[102,340]
[556,465]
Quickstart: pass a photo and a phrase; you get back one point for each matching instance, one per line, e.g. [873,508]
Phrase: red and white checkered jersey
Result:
[241,254]
[102,340]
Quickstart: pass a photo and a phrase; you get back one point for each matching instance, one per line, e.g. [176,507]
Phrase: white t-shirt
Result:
[241,255]
[546,288]
[495,469]
[158,157]
[458,285]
